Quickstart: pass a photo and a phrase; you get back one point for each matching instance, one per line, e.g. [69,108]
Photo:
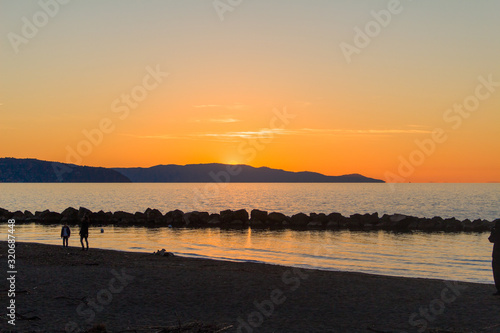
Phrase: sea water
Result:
[451,256]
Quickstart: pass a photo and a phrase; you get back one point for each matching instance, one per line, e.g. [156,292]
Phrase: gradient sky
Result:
[228,79]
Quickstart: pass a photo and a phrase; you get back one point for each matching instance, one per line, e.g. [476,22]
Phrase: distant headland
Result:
[13,170]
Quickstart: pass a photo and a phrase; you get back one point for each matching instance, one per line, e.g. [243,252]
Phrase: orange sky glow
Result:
[269,84]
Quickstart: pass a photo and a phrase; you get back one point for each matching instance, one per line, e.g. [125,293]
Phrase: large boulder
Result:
[414,223]
[299,220]
[401,222]
[214,220]
[467,225]
[482,225]
[175,218]
[398,222]
[140,218]
[258,215]
[226,216]
[439,223]
[332,225]
[370,220]
[488,225]
[153,216]
[364,221]
[355,222]
[204,218]
[335,221]
[238,224]
[277,219]
[49,217]
[258,224]
[453,225]
[5,214]
[100,217]
[82,211]
[121,217]
[196,219]
[28,216]
[316,224]
[318,220]
[69,216]
[426,224]
[18,216]
[396,218]
[191,219]
[36,216]
[241,215]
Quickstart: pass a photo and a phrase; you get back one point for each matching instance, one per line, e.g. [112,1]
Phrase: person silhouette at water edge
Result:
[65,233]
[84,231]
[495,263]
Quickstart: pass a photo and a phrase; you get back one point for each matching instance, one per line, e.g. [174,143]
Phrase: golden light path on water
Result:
[460,256]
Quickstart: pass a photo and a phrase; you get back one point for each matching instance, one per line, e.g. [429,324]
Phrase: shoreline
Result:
[256,262]
[301,264]
[59,288]
[257,219]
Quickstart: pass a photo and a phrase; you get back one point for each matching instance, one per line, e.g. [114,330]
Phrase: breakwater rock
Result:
[257,219]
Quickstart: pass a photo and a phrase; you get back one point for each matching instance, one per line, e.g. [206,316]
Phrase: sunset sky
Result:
[337,87]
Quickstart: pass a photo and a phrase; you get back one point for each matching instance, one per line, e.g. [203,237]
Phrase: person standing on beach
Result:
[495,263]
[65,233]
[84,231]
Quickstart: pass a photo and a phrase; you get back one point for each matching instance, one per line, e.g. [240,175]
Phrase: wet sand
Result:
[65,289]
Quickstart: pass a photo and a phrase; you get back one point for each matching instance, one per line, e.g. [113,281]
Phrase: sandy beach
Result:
[68,290]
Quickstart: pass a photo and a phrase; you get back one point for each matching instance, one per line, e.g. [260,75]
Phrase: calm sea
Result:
[461,256]
[463,201]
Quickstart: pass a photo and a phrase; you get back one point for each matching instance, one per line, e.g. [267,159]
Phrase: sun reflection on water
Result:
[461,256]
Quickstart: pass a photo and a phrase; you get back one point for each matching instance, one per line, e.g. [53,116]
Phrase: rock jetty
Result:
[257,219]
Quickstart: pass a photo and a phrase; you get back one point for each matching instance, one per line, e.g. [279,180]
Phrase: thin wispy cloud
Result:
[208,106]
[227,107]
[266,133]
[363,131]
[416,126]
[262,133]
[216,120]
[224,120]
[158,136]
